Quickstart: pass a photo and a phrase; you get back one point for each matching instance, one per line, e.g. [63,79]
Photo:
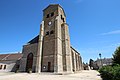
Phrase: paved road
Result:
[83,75]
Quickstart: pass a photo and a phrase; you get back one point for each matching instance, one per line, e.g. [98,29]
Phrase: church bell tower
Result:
[54,51]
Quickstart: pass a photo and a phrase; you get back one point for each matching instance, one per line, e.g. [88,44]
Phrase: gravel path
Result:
[83,75]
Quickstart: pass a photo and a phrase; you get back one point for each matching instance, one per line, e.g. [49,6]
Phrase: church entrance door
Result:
[49,65]
[29,62]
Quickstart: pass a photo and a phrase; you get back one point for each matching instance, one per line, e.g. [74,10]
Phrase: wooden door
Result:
[49,66]
[29,61]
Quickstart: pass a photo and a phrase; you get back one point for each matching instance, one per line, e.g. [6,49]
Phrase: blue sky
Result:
[94,25]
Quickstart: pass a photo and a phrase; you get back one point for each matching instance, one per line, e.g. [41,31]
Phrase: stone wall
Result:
[76,60]
[27,49]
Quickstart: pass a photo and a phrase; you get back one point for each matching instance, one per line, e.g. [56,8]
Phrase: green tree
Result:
[116,56]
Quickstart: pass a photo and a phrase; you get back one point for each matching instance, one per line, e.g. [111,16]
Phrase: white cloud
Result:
[111,32]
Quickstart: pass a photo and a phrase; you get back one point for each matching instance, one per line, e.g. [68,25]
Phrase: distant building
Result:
[101,62]
[86,66]
[10,62]
[104,62]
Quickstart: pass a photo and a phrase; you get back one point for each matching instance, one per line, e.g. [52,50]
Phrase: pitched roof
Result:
[3,56]
[13,56]
[34,40]
[75,50]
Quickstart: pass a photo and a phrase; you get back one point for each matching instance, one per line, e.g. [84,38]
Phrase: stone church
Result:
[51,50]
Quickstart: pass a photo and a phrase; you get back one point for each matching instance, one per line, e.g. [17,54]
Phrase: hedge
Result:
[110,72]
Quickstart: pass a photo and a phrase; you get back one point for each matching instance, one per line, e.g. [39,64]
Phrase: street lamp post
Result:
[100,60]
[100,55]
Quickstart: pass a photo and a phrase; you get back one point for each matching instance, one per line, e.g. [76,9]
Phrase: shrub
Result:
[116,72]
[110,72]
[106,72]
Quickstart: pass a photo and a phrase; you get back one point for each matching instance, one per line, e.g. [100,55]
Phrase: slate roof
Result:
[34,40]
